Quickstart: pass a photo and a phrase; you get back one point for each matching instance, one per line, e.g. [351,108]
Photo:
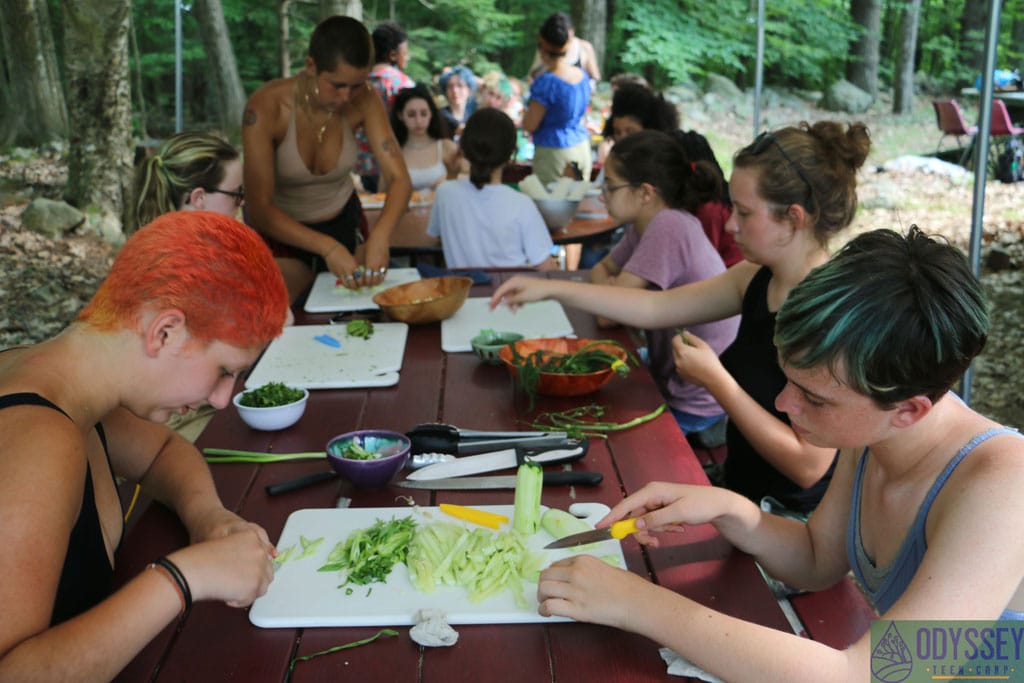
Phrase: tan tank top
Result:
[301,194]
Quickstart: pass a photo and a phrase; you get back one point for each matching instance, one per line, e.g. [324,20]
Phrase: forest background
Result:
[101,73]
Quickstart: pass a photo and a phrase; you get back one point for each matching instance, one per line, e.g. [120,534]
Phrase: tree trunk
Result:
[972,35]
[348,8]
[594,27]
[862,66]
[284,56]
[36,109]
[99,159]
[903,100]
[224,71]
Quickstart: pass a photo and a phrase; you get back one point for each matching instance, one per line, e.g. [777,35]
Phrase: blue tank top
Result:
[890,582]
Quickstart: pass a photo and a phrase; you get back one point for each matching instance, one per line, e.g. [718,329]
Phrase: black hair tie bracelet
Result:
[172,572]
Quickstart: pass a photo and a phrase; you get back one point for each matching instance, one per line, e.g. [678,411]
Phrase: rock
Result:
[51,218]
[910,162]
[998,259]
[722,87]
[845,96]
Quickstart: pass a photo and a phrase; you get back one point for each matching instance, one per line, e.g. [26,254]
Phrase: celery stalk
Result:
[529,486]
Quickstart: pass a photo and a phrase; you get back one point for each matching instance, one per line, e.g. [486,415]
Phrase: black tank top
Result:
[87,577]
[752,360]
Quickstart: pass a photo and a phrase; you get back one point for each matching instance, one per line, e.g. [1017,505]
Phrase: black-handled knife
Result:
[299,482]
[506,481]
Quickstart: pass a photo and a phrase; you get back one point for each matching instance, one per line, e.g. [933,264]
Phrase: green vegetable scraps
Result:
[368,555]
[481,561]
[307,548]
[586,421]
[353,451]
[590,358]
[346,646]
[360,328]
[270,395]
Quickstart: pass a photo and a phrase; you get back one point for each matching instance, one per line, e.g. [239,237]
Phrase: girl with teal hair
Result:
[870,344]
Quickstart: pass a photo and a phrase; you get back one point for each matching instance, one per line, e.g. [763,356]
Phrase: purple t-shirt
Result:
[674,251]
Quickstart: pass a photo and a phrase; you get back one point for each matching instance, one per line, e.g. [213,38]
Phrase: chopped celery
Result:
[560,524]
[529,486]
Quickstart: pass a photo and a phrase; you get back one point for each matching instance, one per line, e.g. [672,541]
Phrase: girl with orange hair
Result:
[190,302]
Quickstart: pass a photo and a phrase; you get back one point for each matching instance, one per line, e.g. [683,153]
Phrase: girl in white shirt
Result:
[429,155]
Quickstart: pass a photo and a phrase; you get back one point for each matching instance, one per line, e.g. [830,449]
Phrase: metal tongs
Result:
[437,442]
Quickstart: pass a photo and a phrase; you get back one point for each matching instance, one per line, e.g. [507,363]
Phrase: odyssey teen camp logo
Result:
[917,651]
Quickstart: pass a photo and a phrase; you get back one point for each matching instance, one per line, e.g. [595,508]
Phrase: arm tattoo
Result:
[249,117]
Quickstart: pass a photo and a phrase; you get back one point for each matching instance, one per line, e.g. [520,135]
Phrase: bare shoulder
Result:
[270,104]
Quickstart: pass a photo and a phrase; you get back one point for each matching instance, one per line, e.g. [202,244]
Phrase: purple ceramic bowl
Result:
[392,449]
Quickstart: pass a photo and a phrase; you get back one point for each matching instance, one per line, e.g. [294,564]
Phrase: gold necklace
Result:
[308,108]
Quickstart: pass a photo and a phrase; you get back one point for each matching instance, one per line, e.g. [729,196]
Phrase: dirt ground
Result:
[44,282]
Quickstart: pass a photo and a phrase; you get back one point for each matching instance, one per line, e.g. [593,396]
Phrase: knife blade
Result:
[618,530]
[496,460]
[502,481]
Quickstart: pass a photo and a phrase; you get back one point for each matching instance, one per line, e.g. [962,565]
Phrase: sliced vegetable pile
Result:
[368,555]
[481,561]
[360,328]
[270,395]
[353,451]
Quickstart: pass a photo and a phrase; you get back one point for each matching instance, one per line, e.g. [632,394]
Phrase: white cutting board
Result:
[300,596]
[297,359]
[532,320]
[327,296]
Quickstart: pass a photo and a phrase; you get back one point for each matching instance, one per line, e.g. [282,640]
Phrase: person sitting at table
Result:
[559,98]
[188,305]
[387,76]
[458,84]
[792,189]
[430,156]
[194,171]
[651,186]
[714,213]
[481,222]
[297,135]
[871,343]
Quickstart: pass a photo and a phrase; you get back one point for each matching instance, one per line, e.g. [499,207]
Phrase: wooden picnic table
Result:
[218,643]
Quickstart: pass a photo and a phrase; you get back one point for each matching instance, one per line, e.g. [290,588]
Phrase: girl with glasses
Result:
[191,171]
[651,186]
[783,223]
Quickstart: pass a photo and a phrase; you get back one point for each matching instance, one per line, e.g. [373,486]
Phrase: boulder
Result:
[51,218]
[846,97]
[722,87]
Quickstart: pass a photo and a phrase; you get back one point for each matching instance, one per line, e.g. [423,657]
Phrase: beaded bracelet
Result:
[171,571]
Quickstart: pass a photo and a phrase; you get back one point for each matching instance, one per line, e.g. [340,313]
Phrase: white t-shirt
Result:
[491,227]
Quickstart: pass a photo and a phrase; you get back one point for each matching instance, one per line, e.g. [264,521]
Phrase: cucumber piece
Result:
[529,486]
[560,523]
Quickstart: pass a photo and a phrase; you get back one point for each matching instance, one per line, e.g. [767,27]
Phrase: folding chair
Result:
[950,120]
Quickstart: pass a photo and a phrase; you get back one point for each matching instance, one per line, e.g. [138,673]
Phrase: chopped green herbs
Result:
[353,451]
[368,555]
[270,395]
[360,328]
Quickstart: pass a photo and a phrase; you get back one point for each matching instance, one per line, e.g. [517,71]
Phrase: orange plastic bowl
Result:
[424,301]
[556,383]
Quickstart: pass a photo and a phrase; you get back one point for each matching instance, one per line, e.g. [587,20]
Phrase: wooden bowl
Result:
[556,383]
[424,301]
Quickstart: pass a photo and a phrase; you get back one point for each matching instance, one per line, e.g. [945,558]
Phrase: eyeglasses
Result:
[761,143]
[606,191]
[239,194]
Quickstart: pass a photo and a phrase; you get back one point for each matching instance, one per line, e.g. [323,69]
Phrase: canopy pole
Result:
[981,160]
[759,71]
[178,117]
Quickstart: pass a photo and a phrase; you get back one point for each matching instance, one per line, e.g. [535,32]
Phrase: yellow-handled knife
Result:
[618,531]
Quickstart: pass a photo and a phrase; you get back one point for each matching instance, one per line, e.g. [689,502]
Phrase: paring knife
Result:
[497,460]
[502,481]
[618,531]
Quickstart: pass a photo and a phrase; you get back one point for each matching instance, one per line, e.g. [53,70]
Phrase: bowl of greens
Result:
[565,367]
[271,406]
[369,458]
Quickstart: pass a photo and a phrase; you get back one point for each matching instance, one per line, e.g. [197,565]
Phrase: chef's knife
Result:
[503,481]
[618,530]
[497,460]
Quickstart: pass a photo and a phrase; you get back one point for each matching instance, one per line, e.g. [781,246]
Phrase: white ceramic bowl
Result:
[557,212]
[270,419]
